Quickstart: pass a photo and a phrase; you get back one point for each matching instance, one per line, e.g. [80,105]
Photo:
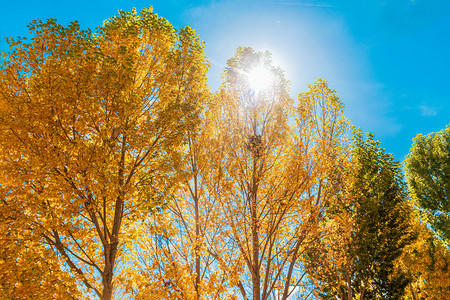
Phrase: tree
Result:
[329,260]
[177,253]
[272,174]
[362,260]
[87,122]
[382,220]
[27,268]
[253,192]
[427,262]
[428,178]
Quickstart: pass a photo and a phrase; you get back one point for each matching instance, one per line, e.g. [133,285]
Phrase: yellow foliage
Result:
[89,123]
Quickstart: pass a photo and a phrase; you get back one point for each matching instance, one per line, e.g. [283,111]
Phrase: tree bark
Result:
[110,250]
[256,276]
[197,241]
[110,257]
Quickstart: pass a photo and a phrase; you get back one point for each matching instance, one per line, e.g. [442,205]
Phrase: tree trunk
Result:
[107,290]
[256,276]
[110,257]
[349,286]
[197,241]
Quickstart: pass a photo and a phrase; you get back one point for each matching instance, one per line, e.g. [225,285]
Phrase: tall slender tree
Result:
[363,264]
[273,174]
[428,178]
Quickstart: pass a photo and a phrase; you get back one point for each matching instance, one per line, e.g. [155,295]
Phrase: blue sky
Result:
[388,60]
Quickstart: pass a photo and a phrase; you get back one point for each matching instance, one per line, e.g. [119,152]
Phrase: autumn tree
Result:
[28,269]
[87,122]
[329,260]
[273,160]
[427,262]
[428,178]
[177,253]
[365,265]
[256,181]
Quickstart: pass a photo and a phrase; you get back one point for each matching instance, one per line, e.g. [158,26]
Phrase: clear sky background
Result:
[388,60]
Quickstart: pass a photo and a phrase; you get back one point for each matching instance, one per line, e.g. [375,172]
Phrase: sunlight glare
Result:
[259,78]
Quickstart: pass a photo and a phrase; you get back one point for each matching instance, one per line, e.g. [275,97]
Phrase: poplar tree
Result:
[362,260]
[428,178]
[276,156]
[87,121]
[256,182]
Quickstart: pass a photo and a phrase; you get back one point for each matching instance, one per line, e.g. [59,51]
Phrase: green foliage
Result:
[382,221]
[100,129]
[374,227]
[428,178]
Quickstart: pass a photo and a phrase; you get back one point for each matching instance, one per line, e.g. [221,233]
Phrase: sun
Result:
[259,78]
